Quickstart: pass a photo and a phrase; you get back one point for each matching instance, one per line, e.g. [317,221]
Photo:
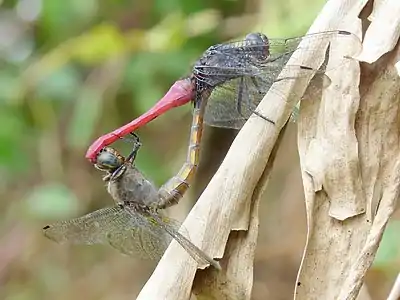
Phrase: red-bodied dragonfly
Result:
[226,85]
[135,226]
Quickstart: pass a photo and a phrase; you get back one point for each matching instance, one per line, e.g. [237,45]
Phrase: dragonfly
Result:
[225,87]
[134,226]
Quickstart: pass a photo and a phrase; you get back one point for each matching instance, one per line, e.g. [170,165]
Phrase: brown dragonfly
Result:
[135,225]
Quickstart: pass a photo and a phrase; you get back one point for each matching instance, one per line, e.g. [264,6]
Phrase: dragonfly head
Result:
[260,42]
[257,38]
[109,160]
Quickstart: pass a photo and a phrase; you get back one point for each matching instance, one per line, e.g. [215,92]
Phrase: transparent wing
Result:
[92,228]
[237,58]
[127,228]
[126,232]
[148,240]
[232,102]
[162,225]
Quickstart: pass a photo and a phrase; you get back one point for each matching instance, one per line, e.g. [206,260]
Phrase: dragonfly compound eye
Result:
[259,44]
[108,159]
[257,38]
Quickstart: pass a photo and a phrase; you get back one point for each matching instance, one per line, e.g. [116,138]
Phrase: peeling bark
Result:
[350,158]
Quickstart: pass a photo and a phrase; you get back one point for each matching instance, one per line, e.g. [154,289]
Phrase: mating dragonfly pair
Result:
[225,86]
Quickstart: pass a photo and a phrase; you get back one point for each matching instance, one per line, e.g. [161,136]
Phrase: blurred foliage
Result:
[73,70]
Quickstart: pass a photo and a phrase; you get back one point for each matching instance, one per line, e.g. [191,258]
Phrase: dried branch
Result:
[349,154]
[395,292]
[339,218]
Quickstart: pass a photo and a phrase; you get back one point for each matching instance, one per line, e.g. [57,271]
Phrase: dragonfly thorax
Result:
[224,62]
[133,186]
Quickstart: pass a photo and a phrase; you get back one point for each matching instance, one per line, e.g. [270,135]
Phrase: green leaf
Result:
[60,19]
[62,84]
[8,86]
[52,200]
[12,158]
[56,18]
[86,113]
[99,44]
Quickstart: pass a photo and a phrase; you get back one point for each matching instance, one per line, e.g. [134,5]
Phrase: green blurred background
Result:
[74,70]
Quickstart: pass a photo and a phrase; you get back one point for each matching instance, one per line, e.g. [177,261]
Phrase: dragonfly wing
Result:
[243,58]
[311,43]
[140,243]
[148,241]
[92,228]
[225,107]
[232,103]
[129,234]
[222,109]
[174,229]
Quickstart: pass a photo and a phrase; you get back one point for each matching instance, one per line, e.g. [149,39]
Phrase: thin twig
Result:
[395,292]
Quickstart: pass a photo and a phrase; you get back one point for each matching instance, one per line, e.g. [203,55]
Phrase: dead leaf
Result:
[356,124]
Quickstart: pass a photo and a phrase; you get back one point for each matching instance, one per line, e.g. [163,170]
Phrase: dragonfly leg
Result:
[136,146]
[253,109]
[129,159]
[240,98]
[133,138]
[107,178]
